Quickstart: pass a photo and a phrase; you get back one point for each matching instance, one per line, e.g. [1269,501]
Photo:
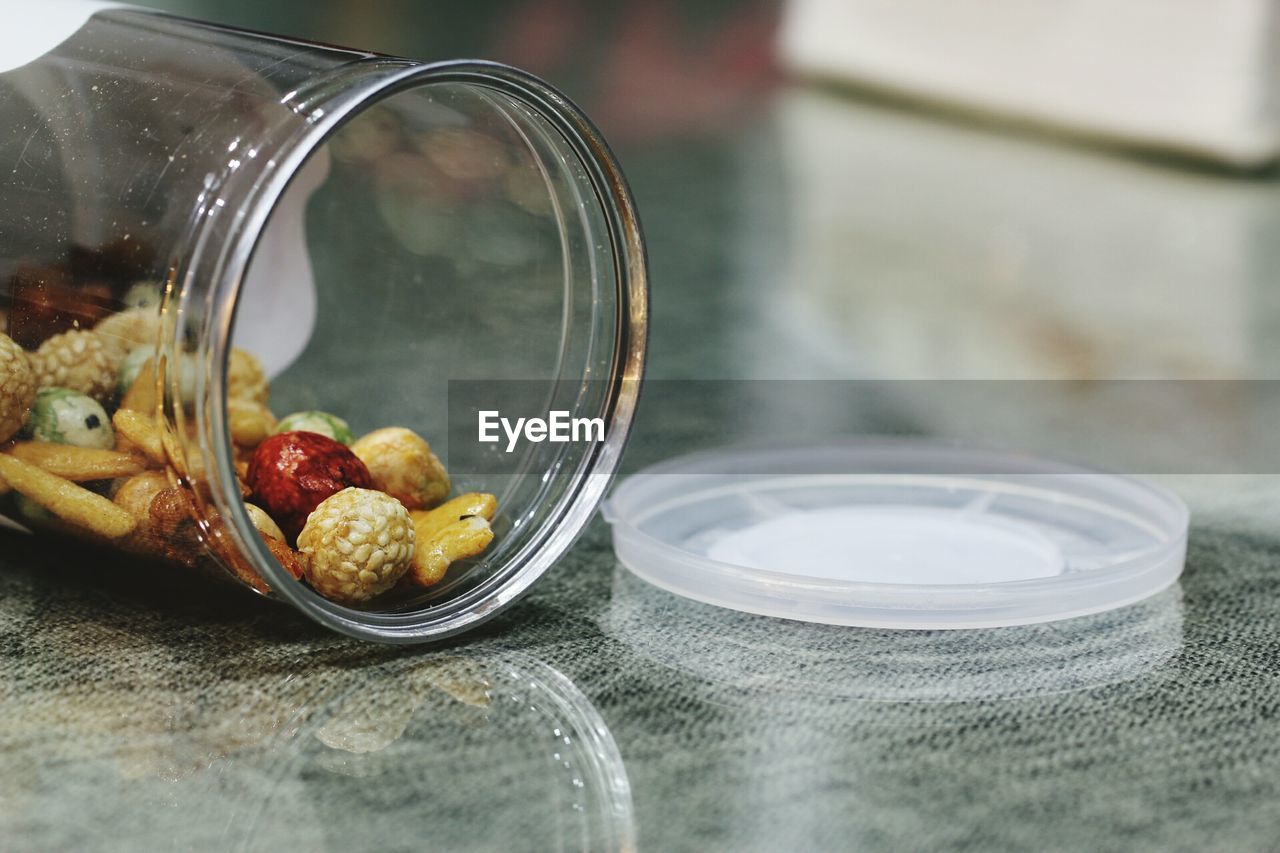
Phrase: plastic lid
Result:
[897,534]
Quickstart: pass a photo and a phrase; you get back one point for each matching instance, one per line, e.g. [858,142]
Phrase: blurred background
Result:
[887,191]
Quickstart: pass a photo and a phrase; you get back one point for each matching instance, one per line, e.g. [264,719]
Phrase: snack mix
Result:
[86,450]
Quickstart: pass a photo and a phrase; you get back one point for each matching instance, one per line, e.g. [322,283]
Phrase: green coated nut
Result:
[144,294]
[330,426]
[32,511]
[137,357]
[63,416]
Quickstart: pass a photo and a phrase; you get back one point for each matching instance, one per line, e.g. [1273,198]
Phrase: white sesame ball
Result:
[356,545]
[81,360]
[17,387]
[131,329]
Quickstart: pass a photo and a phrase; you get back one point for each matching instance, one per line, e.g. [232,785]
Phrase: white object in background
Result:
[1196,77]
[276,315]
[923,249]
[278,303]
[38,28]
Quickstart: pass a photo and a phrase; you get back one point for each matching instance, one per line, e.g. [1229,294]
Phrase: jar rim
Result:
[376,80]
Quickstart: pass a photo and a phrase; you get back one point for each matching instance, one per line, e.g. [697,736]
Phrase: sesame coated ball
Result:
[131,329]
[81,360]
[17,387]
[402,465]
[145,294]
[356,545]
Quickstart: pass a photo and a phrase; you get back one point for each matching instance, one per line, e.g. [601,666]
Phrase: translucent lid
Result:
[897,534]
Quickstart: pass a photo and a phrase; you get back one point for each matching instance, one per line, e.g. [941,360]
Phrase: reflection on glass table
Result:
[785,664]
[921,248]
[367,751]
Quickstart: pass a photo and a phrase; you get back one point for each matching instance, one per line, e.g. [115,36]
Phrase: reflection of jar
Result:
[357,749]
[368,229]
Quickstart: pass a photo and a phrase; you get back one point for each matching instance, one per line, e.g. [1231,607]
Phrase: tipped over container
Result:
[205,230]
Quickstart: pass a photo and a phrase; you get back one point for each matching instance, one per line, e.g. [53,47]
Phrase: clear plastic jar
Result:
[368,229]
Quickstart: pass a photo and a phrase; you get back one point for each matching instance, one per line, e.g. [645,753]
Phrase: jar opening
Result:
[459,240]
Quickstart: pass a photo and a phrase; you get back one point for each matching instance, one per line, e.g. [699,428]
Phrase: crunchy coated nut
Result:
[17,387]
[245,378]
[140,364]
[136,493]
[144,294]
[135,496]
[356,545]
[63,416]
[291,473]
[268,528]
[324,423]
[465,538]
[428,522]
[250,422]
[33,512]
[402,465]
[130,329]
[81,360]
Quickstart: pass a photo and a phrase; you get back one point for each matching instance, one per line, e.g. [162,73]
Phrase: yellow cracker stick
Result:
[188,467]
[77,464]
[141,396]
[428,522]
[141,430]
[65,499]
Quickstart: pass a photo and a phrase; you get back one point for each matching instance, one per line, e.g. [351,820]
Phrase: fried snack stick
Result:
[77,464]
[141,430]
[65,499]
